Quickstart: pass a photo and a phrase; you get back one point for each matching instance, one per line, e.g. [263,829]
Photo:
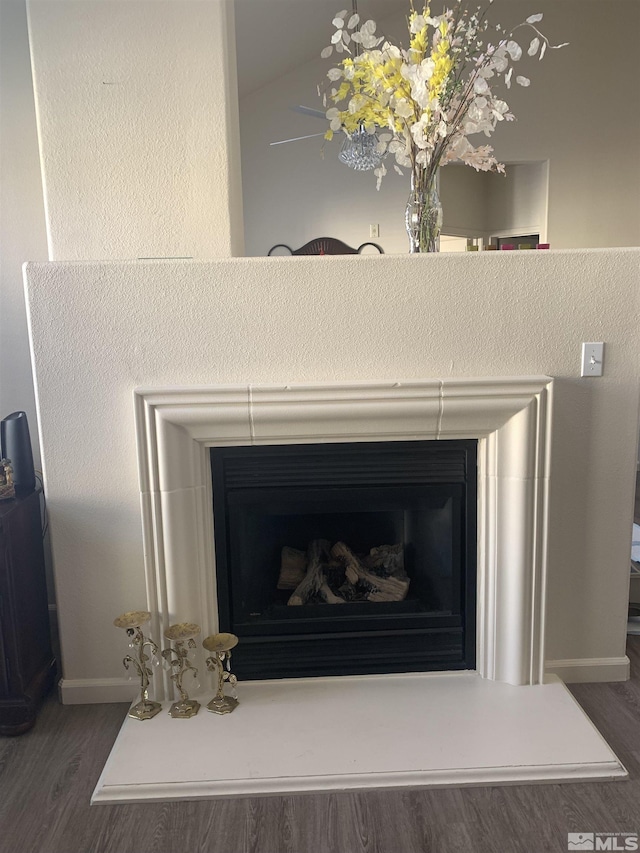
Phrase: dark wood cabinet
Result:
[27,666]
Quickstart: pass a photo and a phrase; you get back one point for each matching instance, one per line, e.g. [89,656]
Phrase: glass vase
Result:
[424,213]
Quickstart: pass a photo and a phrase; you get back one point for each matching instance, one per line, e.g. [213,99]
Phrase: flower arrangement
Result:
[427,99]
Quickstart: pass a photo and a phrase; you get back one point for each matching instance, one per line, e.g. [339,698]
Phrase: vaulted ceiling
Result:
[275,36]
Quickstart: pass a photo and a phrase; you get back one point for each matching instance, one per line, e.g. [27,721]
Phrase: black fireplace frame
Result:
[327,640]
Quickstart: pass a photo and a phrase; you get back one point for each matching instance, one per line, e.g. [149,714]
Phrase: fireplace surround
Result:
[510,417]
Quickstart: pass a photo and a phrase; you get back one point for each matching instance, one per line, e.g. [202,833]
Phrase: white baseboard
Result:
[93,691]
[590,669]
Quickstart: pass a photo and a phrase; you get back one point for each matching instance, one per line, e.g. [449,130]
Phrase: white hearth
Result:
[500,724]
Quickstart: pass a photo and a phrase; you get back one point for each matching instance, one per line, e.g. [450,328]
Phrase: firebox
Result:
[347,558]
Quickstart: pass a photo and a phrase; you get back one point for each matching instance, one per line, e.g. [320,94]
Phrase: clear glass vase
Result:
[424,213]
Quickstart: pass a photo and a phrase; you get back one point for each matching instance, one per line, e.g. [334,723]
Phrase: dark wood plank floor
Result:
[47,776]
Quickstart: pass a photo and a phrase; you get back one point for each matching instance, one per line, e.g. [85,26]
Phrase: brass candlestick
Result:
[183,632]
[132,622]
[220,646]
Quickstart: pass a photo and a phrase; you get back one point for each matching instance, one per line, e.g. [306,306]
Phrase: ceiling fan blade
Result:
[308,111]
[296,138]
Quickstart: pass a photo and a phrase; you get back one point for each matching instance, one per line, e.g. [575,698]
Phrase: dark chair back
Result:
[325,246]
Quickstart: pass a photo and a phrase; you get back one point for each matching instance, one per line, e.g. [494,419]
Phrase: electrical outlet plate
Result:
[374,231]
[592,359]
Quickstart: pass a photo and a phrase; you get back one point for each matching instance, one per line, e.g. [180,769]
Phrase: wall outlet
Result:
[592,359]
[374,231]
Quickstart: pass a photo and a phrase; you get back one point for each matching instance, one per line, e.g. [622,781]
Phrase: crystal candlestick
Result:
[182,635]
[219,662]
[132,622]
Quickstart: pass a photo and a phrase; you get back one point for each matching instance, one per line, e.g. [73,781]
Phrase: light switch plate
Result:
[592,359]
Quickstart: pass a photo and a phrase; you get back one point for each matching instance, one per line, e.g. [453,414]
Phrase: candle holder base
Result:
[184,709]
[222,705]
[145,710]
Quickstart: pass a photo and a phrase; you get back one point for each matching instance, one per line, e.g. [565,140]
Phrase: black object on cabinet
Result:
[16,447]
[27,665]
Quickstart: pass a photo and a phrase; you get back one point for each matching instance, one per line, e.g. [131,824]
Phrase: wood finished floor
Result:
[48,775]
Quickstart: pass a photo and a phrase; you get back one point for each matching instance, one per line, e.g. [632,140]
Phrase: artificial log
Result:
[385,560]
[325,592]
[314,580]
[292,567]
[382,587]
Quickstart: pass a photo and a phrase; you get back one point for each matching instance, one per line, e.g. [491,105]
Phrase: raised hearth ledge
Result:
[511,417]
[450,729]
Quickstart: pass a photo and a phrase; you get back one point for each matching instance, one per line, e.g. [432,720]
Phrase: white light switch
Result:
[374,231]
[592,359]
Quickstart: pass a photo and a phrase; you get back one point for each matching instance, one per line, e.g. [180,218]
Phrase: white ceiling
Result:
[275,36]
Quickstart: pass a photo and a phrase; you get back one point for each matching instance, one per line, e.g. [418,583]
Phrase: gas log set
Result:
[336,575]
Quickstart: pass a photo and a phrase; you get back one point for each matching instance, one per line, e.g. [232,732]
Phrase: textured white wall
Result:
[567,116]
[517,201]
[137,115]
[22,221]
[101,330]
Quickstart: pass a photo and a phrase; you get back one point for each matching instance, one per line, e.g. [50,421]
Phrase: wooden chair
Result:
[325,246]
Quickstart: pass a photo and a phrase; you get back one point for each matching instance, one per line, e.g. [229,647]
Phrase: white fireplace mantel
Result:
[510,416]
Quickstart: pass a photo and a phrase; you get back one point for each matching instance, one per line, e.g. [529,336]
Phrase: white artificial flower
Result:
[523,81]
[380,172]
[533,47]
[354,20]
[326,53]
[403,108]
[499,60]
[334,74]
[533,19]
[507,78]
[368,40]
[338,22]
[499,109]
[419,132]
[356,103]
[514,50]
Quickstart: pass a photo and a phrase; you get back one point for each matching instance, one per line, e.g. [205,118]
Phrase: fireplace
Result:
[499,723]
[510,418]
[347,558]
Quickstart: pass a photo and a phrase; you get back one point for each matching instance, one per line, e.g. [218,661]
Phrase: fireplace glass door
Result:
[354,558]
